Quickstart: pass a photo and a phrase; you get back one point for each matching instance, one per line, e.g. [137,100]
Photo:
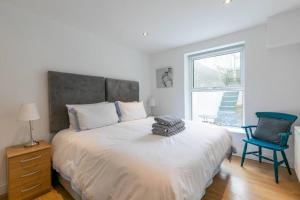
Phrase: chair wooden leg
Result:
[259,152]
[275,165]
[244,154]
[286,162]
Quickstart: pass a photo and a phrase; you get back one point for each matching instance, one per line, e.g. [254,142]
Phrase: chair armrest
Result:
[284,137]
[248,129]
[249,126]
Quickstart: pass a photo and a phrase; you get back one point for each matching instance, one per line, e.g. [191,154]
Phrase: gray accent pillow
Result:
[118,111]
[269,128]
[73,119]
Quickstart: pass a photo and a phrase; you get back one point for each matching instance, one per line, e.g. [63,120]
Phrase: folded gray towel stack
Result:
[167,126]
[167,120]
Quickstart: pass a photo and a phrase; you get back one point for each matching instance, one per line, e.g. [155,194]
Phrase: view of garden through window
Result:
[217,95]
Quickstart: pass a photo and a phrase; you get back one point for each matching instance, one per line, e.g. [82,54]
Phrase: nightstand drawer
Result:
[30,190]
[19,177]
[29,160]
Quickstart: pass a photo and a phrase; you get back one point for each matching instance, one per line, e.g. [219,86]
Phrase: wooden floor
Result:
[253,182]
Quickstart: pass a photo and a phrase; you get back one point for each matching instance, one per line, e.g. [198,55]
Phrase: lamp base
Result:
[31,143]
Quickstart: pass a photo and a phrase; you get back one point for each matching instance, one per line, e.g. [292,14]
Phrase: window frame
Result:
[213,53]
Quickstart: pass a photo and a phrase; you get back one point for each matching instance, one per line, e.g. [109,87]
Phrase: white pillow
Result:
[73,119]
[131,110]
[91,116]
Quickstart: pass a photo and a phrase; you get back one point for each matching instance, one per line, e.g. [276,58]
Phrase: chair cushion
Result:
[269,128]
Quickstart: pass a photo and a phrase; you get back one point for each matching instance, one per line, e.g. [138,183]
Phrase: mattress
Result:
[125,161]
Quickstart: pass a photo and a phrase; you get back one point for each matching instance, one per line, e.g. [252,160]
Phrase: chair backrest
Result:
[276,115]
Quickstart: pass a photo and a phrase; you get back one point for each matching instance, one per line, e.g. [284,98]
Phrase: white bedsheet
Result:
[125,161]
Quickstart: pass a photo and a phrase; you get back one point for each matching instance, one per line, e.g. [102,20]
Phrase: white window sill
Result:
[235,130]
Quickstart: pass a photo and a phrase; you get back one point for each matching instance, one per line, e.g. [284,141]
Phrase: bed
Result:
[125,161]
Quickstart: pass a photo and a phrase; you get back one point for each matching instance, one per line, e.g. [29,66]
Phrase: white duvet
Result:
[126,162]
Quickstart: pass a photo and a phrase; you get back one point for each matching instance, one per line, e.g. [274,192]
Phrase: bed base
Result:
[67,186]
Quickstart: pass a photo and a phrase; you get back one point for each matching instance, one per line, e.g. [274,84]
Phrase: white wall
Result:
[271,76]
[30,46]
[284,29]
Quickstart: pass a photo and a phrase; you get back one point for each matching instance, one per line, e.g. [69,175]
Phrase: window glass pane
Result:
[223,108]
[218,71]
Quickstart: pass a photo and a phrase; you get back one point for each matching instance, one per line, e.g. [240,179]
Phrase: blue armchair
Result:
[281,145]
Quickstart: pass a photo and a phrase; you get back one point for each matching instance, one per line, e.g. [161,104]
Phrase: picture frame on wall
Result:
[164,77]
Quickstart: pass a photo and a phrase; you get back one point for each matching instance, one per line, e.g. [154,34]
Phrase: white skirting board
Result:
[3,189]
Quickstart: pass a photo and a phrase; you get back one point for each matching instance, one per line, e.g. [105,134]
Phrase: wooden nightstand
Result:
[28,171]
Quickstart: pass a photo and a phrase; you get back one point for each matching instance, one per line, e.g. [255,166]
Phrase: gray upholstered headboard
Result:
[66,88]
[121,90]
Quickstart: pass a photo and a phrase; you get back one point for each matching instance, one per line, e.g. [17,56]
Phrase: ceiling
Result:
[170,23]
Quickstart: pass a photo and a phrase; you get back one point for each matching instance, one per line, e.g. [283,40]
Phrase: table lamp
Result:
[152,102]
[28,113]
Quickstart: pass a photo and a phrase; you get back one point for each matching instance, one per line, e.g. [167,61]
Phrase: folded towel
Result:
[167,120]
[168,128]
[156,131]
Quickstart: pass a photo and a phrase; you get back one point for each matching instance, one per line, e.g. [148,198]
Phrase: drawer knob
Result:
[30,174]
[30,188]
[30,159]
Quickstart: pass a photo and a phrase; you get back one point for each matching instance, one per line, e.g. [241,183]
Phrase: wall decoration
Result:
[164,77]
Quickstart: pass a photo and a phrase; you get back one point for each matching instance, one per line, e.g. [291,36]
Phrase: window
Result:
[216,88]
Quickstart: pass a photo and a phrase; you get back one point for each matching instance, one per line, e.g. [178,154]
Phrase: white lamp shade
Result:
[28,112]
[152,102]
